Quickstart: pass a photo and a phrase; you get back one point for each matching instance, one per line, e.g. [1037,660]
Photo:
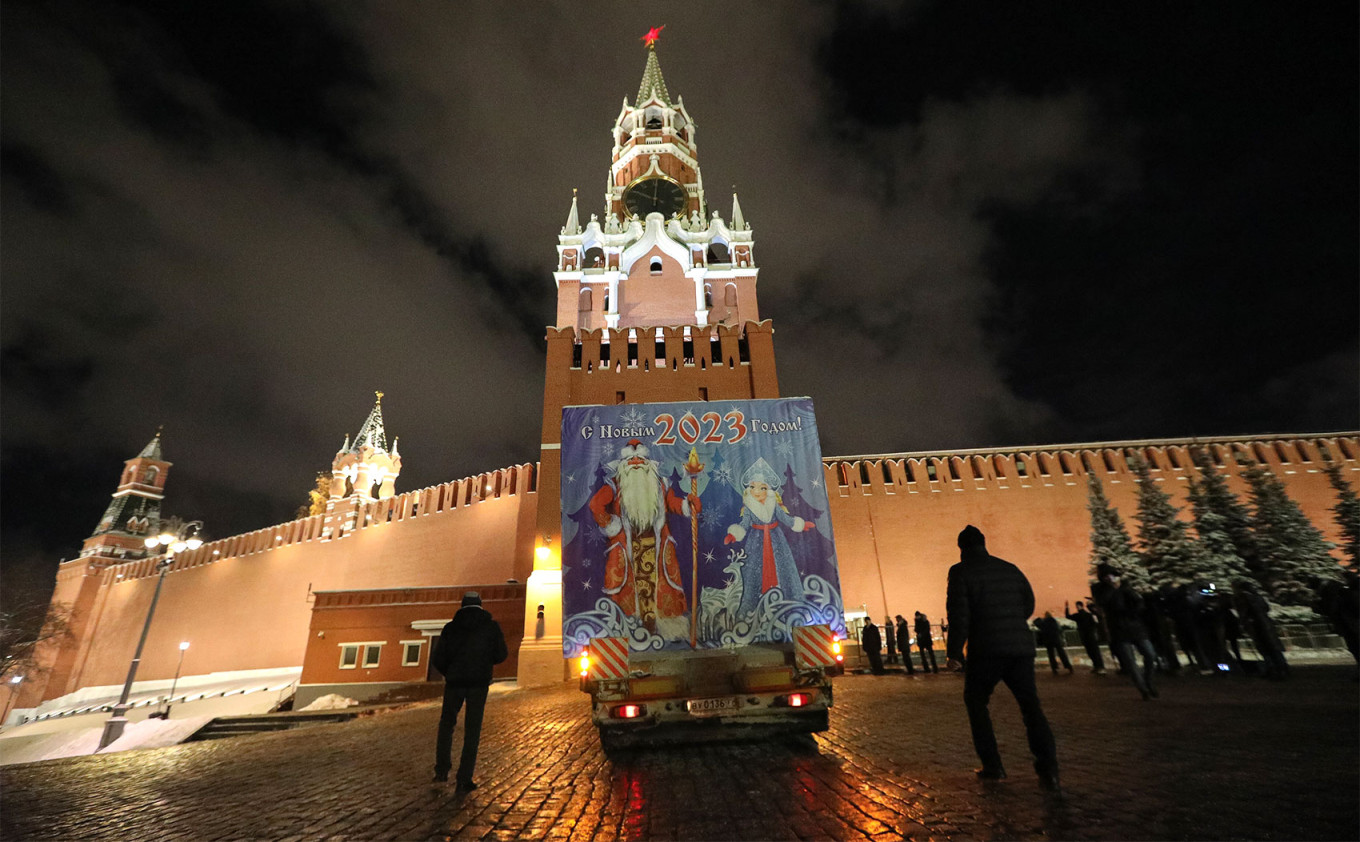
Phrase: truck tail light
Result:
[798,700]
[629,711]
[585,664]
[836,648]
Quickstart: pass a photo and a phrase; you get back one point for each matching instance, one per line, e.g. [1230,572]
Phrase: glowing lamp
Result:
[178,547]
[184,644]
[152,542]
[798,700]
[166,538]
[542,553]
[194,542]
[16,679]
[585,664]
[628,711]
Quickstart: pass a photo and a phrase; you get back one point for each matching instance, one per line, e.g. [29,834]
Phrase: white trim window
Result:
[349,656]
[365,653]
[410,652]
[372,654]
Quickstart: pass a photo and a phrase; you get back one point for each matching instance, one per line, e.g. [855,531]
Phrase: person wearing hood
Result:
[988,604]
[464,653]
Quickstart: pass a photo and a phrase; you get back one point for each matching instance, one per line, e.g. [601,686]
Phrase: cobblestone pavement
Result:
[1215,758]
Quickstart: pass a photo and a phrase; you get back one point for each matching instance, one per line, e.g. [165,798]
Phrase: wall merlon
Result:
[504,482]
[1026,468]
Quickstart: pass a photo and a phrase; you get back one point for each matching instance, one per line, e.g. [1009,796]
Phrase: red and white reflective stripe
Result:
[609,657]
[812,645]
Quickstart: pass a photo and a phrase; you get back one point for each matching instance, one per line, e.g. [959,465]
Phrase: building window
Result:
[410,652]
[349,656]
[586,304]
[730,295]
[372,653]
[656,266]
[708,295]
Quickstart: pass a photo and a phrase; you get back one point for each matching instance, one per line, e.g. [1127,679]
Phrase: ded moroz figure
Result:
[769,560]
[641,573]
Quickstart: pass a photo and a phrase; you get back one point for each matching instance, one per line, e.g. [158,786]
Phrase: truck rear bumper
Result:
[661,731]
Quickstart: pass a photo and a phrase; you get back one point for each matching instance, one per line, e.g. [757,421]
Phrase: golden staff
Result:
[693,467]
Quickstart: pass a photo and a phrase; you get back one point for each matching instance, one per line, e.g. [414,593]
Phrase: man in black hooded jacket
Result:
[466,650]
[989,602]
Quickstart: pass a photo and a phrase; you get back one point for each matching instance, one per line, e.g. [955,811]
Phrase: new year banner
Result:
[695,525]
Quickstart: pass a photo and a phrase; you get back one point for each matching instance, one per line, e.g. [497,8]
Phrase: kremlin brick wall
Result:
[897,518]
[246,601]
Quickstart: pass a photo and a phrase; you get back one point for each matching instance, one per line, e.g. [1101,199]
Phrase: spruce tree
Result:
[1216,496]
[1216,559]
[1164,539]
[1110,542]
[1347,514]
[1295,558]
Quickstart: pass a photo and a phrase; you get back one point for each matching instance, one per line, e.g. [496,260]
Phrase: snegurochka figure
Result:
[769,560]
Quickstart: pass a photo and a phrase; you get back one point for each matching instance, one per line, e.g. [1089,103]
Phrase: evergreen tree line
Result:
[1267,541]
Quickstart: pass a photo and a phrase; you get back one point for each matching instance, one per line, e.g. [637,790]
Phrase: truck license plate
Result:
[711,707]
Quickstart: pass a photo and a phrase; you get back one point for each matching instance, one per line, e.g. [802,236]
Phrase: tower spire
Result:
[573,225]
[372,433]
[738,221]
[653,85]
[153,447]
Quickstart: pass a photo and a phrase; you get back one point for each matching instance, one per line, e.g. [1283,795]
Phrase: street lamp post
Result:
[184,644]
[174,542]
[13,694]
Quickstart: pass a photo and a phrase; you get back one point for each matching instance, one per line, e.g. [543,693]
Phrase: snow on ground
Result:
[333,701]
[149,733]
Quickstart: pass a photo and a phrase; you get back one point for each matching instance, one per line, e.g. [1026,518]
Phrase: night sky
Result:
[977,226]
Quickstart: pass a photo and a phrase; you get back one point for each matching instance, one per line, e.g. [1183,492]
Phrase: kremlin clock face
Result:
[654,195]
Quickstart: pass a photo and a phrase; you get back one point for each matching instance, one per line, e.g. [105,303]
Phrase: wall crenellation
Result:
[615,350]
[445,497]
[1030,467]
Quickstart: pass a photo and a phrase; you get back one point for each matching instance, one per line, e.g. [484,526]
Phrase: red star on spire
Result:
[653,34]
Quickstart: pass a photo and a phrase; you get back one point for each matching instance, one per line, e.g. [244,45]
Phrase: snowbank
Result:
[149,733]
[334,701]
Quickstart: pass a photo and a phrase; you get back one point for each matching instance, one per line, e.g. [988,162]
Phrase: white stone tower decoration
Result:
[661,256]
[365,463]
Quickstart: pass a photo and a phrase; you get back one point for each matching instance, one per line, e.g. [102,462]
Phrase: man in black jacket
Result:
[904,644]
[1088,629]
[988,603]
[925,643]
[466,650]
[872,643]
[1122,608]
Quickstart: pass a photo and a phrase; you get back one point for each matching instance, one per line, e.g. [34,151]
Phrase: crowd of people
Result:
[1198,628]
[898,637]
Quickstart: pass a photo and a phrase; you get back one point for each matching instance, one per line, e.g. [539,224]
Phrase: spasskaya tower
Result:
[656,301]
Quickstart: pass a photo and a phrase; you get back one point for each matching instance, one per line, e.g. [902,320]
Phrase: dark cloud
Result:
[974,227]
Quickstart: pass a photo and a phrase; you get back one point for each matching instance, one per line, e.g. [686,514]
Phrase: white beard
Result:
[640,497]
[764,512]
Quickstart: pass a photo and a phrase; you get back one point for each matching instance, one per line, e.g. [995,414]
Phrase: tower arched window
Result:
[656,265]
[594,258]
[708,295]
[606,302]
[149,476]
[730,295]
[717,252]
[586,301]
